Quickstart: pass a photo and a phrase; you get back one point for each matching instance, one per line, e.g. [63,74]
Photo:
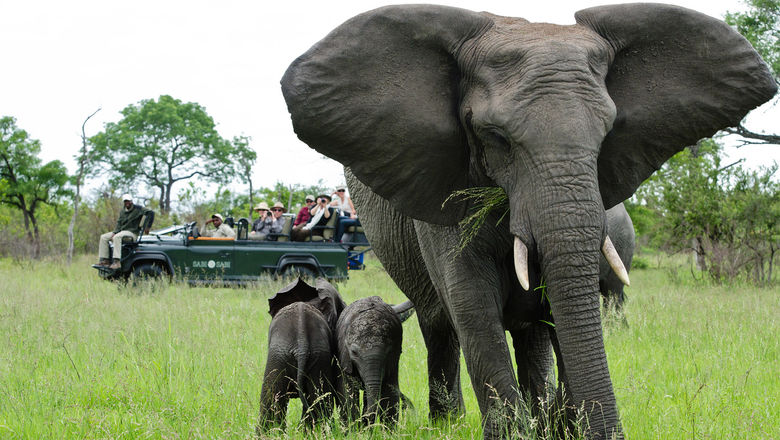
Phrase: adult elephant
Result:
[419,101]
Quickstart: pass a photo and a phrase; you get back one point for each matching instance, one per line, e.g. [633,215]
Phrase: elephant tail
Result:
[404,310]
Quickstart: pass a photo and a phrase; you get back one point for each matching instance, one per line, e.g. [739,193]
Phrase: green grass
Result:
[84,358]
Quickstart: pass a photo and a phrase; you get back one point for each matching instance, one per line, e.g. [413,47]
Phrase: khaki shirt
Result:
[222,231]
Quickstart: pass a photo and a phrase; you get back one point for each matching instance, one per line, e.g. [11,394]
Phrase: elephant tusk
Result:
[608,249]
[521,263]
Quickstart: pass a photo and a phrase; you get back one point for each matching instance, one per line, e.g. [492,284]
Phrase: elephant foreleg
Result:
[470,287]
[349,396]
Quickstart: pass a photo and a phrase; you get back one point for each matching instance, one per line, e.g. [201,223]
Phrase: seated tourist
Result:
[347,214]
[220,228]
[320,214]
[270,221]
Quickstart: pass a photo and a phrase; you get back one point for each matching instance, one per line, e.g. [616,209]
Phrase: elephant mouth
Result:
[607,249]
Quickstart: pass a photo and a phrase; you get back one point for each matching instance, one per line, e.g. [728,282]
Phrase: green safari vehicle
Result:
[179,252]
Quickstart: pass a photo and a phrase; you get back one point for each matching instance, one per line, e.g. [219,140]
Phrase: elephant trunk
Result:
[568,229]
[372,381]
[372,398]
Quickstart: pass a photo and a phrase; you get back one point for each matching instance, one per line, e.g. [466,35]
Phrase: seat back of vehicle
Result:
[285,234]
[325,232]
[243,228]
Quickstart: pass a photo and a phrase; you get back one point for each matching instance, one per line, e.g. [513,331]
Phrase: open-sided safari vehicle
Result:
[180,252]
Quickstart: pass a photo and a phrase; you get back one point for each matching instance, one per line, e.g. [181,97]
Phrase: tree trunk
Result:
[79,178]
[168,198]
[162,197]
[36,236]
[72,225]
[251,201]
[701,262]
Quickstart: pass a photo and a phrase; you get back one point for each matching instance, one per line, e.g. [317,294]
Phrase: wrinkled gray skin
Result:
[621,231]
[301,353]
[300,364]
[369,336]
[419,101]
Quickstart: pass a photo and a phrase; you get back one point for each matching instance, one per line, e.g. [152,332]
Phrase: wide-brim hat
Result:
[218,216]
[279,205]
[341,188]
[325,196]
[262,205]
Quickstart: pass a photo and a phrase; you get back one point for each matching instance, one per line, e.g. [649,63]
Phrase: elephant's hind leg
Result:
[316,393]
[533,355]
[274,394]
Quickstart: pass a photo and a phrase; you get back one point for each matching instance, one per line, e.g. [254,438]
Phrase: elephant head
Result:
[420,101]
[324,297]
[369,337]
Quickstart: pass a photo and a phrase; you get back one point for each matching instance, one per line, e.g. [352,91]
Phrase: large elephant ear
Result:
[328,302]
[297,291]
[678,76]
[380,95]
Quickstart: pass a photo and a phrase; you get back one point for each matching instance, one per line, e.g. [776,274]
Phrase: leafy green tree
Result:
[760,24]
[159,143]
[245,161]
[25,183]
[726,214]
[292,196]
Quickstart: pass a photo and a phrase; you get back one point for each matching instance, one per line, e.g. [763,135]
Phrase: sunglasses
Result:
[340,190]
[276,209]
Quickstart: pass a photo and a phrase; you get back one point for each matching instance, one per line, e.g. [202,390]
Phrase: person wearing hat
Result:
[269,222]
[347,213]
[304,215]
[221,229]
[320,214]
[128,225]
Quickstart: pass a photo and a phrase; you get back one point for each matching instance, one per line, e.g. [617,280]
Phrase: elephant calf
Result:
[369,336]
[301,353]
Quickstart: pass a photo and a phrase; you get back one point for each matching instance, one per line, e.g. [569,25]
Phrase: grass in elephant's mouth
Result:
[484,201]
[81,358]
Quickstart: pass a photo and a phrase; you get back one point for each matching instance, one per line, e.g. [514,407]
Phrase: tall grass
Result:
[84,358]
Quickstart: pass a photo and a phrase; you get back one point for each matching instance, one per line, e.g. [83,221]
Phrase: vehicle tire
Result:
[148,272]
[291,273]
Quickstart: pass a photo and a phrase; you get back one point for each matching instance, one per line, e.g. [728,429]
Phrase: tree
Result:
[292,194]
[761,26]
[246,158]
[160,143]
[727,215]
[85,162]
[24,182]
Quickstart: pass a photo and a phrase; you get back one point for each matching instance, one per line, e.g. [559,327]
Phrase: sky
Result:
[61,61]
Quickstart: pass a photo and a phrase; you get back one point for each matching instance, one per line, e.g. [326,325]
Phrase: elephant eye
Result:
[494,138]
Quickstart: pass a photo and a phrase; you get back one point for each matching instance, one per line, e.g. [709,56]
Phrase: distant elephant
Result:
[420,101]
[369,336]
[301,348]
[621,231]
